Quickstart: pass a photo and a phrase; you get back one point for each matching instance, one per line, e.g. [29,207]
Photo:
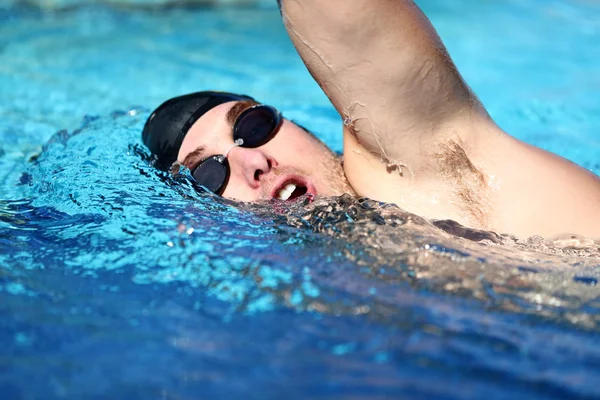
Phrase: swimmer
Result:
[414,133]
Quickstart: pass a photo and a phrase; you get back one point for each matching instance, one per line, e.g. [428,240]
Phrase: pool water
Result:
[117,281]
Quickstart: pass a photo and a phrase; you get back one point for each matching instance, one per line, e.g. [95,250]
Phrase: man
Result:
[414,133]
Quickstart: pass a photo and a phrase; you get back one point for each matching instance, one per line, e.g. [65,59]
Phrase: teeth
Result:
[285,192]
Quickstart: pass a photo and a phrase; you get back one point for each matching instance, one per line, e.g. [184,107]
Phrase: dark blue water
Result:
[118,282]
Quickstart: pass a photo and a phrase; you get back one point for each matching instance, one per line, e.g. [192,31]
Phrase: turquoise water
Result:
[116,282]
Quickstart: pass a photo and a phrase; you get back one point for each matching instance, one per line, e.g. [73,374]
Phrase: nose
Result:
[252,164]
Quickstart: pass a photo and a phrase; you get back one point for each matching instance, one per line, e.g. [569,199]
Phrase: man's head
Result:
[189,129]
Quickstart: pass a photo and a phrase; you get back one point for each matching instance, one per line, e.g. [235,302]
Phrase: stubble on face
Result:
[335,176]
[330,177]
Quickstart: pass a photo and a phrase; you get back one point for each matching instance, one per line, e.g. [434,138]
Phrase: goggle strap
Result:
[238,142]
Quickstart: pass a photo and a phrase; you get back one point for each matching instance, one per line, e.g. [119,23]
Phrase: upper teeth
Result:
[285,192]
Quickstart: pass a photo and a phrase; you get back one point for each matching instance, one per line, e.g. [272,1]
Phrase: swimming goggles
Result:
[252,128]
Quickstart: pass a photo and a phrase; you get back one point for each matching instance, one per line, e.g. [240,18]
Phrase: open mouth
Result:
[291,191]
[292,188]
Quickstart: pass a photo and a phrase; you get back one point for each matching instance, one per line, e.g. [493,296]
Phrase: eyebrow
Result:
[238,108]
[194,157]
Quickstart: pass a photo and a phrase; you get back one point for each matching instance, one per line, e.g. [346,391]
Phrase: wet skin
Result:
[417,136]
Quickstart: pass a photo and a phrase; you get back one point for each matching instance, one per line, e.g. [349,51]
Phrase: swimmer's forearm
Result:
[340,35]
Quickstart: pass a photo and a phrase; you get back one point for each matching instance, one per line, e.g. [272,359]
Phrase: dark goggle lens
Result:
[256,125]
[212,174]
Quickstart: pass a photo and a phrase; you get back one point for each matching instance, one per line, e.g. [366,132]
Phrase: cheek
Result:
[300,149]
[237,189]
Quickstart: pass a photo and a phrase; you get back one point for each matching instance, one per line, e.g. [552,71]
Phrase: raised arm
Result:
[385,70]
[416,135]
[409,135]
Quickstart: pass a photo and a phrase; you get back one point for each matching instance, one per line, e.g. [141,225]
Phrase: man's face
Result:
[289,165]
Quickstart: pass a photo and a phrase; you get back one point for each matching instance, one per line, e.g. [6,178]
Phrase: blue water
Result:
[116,282]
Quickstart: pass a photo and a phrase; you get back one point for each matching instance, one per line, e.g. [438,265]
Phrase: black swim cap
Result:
[167,126]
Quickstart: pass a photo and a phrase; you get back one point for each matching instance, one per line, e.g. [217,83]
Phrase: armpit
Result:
[470,185]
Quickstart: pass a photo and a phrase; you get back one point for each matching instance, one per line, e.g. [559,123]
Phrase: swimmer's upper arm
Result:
[385,70]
